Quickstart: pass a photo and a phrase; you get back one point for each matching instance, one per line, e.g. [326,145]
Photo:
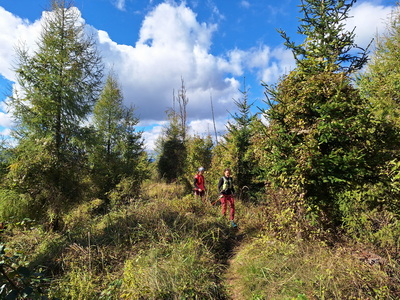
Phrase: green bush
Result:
[14,206]
[125,191]
[368,220]
[18,280]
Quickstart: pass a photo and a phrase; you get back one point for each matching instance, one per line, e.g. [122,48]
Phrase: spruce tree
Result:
[238,145]
[171,150]
[327,46]
[59,84]
[319,125]
[131,147]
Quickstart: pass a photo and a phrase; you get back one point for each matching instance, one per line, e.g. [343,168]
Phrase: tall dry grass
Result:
[169,245]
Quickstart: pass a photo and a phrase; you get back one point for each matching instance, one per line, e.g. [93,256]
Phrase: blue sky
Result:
[151,45]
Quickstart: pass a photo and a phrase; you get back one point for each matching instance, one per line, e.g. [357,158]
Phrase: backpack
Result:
[227,185]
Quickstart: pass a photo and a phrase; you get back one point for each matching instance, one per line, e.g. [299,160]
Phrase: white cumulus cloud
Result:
[14,32]
[368,20]
[172,45]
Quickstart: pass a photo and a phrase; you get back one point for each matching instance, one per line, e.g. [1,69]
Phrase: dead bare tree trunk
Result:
[183,101]
[212,112]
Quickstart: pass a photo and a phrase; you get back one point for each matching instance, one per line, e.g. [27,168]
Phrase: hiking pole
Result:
[219,198]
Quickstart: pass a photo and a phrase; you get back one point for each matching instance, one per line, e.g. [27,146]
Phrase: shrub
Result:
[81,215]
[368,221]
[15,206]
[17,281]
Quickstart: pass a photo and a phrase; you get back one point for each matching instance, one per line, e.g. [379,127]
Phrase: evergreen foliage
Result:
[4,158]
[172,148]
[59,84]
[327,46]
[380,83]
[199,152]
[326,146]
[107,116]
[172,151]
[119,150]
[239,145]
[321,132]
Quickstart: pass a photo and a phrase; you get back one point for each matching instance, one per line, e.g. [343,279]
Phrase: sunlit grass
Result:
[167,244]
[180,270]
[268,268]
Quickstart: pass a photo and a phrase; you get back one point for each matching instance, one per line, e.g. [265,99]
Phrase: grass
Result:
[180,270]
[169,245]
[271,269]
[174,241]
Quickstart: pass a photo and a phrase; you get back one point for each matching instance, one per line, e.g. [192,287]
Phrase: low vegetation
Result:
[169,245]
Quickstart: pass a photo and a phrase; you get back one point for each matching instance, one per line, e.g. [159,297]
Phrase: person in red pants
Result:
[227,191]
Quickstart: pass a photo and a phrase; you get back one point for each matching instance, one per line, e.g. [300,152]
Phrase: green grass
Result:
[169,245]
[179,270]
[268,268]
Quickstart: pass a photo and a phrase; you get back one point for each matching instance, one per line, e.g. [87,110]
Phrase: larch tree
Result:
[199,154]
[107,118]
[59,83]
[380,84]
[119,152]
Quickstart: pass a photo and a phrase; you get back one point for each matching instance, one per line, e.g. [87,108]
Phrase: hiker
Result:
[199,185]
[226,189]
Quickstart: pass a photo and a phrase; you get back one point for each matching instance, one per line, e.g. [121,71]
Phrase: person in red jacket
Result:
[199,185]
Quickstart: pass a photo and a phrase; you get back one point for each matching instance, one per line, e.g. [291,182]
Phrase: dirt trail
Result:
[229,277]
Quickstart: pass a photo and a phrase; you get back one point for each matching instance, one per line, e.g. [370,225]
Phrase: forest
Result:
[86,213]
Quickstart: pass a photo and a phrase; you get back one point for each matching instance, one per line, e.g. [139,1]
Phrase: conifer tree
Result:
[238,144]
[119,150]
[380,84]
[172,150]
[4,158]
[59,84]
[131,147]
[199,153]
[107,116]
[327,46]
[320,126]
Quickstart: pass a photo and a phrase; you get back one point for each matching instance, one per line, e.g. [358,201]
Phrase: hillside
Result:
[167,245]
